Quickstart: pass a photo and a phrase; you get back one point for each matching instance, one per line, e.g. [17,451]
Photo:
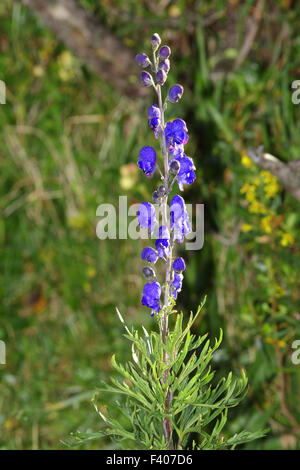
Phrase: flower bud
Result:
[154,112]
[164,52]
[155,197]
[174,167]
[161,77]
[146,79]
[142,60]
[175,93]
[149,273]
[150,255]
[179,265]
[161,191]
[164,65]
[155,41]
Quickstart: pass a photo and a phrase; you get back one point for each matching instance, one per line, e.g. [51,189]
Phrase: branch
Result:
[287,173]
[250,37]
[107,56]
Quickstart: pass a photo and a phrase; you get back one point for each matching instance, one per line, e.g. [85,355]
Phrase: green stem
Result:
[166,422]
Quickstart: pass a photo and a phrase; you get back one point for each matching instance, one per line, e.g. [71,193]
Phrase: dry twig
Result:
[106,55]
[287,173]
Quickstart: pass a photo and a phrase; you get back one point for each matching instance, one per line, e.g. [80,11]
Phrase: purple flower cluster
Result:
[177,165]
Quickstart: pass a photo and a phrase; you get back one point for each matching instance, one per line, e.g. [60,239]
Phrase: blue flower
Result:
[146,216]
[177,281]
[162,245]
[177,208]
[154,111]
[147,161]
[173,137]
[176,285]
[175,93]
[179,265]
[154,117]
[151,296]
[179,218]
[178,152]
[186,174]
[150,255]
[176,134]
[163,241]
[182,227]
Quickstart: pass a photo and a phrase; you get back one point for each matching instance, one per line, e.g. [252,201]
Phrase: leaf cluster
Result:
[197,408]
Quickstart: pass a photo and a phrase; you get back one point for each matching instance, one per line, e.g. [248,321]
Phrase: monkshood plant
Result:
[166,392]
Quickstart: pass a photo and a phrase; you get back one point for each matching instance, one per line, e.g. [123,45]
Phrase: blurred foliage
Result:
[69,142]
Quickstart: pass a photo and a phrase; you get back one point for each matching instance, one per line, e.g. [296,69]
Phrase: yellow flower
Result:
[129,42]
[257,207]
[65,59]
[287,239]
[246,161]
[67,68]
[271,189]
[266,224]
[246,228]
[174,11]
[87,287]
[244,188]
[78,220]
[10,423]
[91,272]
[129,176]
[249,191]
[271,184]
[38,71]
[279,291]
[256,181]
[250,196]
